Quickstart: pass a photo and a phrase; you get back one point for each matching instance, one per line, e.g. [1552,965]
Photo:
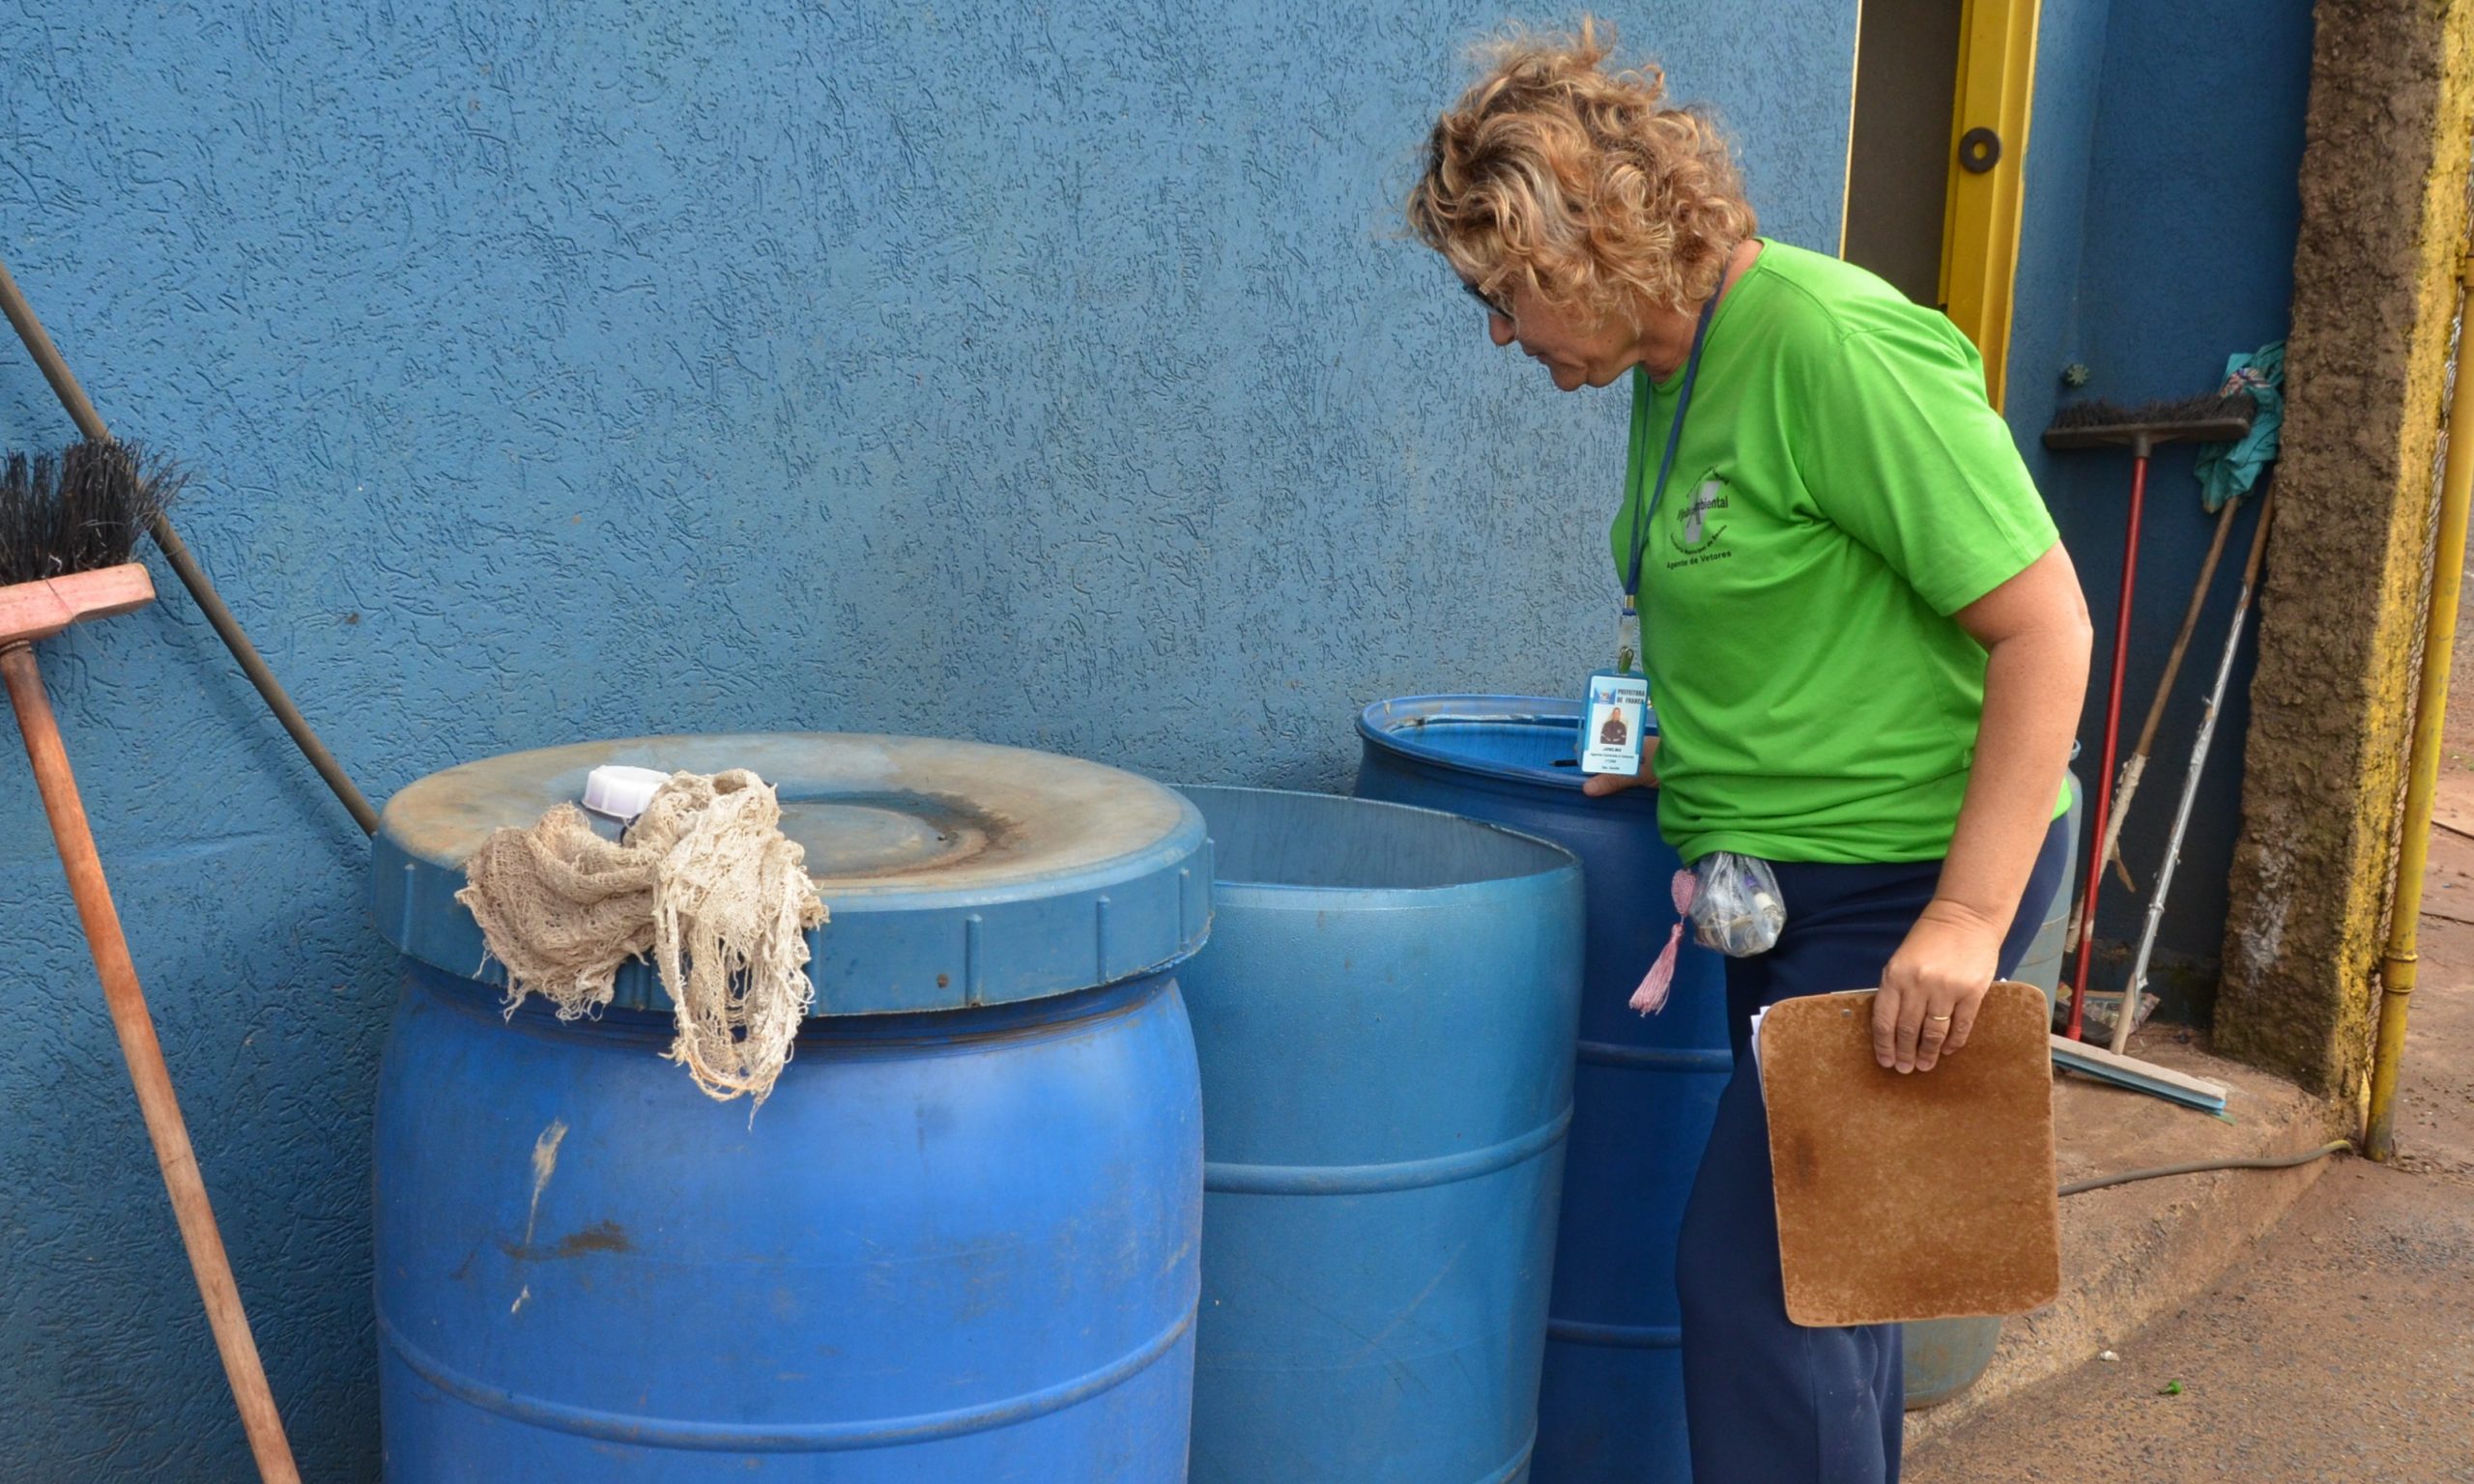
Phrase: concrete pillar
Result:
[2383,220]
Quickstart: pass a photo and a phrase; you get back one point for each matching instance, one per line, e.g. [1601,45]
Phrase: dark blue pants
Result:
[1769,1401]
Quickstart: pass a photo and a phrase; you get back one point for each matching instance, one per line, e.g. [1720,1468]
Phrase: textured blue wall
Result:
[1050,375]
[2157,239]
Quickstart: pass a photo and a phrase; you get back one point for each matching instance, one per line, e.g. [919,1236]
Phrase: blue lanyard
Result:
[1647,505]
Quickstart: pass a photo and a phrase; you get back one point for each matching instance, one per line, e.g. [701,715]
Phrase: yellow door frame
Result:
[1981,223]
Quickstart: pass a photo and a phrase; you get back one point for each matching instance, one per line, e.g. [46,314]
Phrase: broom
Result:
[20,316]
[66,529]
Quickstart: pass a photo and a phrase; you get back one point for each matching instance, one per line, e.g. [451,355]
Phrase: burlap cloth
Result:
[704,883]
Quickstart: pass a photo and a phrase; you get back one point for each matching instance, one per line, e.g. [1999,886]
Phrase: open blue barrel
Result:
[1385,1019]
[958,1243]
[1611,1410]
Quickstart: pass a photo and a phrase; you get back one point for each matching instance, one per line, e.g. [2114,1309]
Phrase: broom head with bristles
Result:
[67,525]
[81,510]
[2209,420]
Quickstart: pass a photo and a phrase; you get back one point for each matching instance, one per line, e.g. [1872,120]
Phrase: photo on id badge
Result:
[1612,732]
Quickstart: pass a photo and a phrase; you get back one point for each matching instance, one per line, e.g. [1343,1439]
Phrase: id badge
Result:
[1612,723]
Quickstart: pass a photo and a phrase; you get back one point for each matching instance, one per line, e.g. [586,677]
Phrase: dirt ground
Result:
[2341,1346]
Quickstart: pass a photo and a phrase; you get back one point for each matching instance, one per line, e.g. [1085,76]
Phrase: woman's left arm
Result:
[2036,638]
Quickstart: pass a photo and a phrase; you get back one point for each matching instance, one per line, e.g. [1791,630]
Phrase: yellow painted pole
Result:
[2431,712]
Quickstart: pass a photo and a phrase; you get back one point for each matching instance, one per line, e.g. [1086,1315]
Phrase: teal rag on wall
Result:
[2228,470]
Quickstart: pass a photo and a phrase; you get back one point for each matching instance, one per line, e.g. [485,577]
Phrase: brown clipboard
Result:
[1925,1196]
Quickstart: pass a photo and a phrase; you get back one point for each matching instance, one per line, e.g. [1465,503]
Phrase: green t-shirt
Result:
[1842,488]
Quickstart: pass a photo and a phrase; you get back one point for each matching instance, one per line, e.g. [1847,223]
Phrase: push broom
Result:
[66,529]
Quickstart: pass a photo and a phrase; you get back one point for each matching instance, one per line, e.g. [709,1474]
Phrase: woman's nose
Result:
[1499,328]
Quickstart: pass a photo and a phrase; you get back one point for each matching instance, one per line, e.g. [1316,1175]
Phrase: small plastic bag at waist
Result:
[1737,910]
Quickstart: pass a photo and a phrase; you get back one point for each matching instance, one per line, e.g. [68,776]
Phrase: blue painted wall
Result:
[1050,375]
[2156,240]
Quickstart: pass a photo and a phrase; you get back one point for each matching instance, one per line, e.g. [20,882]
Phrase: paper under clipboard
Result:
[1925,1196]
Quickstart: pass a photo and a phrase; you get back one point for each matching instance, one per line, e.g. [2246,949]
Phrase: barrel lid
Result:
[956,873]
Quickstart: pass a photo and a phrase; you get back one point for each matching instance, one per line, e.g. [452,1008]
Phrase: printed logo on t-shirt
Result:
[1700,529]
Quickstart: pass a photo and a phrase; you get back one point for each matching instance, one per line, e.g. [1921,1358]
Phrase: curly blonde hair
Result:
[1579,182]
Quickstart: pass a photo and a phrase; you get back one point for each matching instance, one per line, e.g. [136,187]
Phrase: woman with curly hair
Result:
[1866,648]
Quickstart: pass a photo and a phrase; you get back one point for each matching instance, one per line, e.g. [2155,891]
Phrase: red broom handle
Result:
[145,1057]
[2113,739]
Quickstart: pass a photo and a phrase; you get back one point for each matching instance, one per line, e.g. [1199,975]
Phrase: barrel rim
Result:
[1380,724]
[1226,891]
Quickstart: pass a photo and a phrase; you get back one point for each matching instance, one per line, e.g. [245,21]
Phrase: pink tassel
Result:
[1651,997]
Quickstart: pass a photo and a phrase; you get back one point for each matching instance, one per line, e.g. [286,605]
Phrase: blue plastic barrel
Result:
[959,1242]
[1611,1410]
[1385,1019]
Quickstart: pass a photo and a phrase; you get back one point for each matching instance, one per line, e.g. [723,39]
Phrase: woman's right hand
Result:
[1598,785]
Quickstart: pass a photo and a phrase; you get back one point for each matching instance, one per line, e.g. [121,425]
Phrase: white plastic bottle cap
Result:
[620,791]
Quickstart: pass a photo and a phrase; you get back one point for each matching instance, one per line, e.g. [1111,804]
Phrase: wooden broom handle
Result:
[146,1069]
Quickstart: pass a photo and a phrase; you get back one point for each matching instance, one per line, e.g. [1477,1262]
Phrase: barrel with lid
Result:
[959,1240]
[1611,1410]
[1385,1017]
